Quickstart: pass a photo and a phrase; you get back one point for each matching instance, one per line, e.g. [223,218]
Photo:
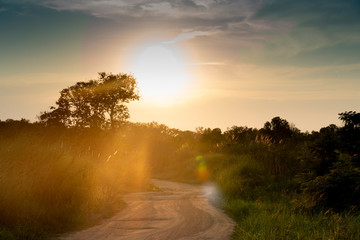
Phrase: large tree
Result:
[96,103]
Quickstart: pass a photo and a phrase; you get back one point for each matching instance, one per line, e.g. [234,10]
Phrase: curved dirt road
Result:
[181,211]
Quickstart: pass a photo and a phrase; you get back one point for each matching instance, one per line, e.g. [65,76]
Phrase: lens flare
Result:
[199,158]
[202,171]
[212,193]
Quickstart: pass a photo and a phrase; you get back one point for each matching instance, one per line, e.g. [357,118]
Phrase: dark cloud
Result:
[323,32]
[329,17]
[323,12]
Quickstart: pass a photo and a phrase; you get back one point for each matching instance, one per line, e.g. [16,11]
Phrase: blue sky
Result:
[247,61]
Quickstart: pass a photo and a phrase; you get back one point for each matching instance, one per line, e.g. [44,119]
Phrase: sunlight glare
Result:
[212,193]
[160,71]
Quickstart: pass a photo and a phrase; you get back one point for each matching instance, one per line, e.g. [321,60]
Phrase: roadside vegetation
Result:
[71,168]
[280,183]
[55,180]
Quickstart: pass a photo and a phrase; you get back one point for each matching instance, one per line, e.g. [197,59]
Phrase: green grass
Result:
[269,220]
[267,208]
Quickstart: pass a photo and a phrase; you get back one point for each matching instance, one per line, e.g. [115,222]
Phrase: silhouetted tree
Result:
[96,103]
[240,139]
[324,149]
[351,119]
[210,139]
[237,134]
[350,133]
[278,130]
[331,175]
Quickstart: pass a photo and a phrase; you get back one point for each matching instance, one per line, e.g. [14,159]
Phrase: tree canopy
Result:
[278,129]
[95,103]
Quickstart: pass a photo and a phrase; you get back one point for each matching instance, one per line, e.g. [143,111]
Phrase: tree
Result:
[351,119]
[278,129]
[350,133]
[211,139]
[96,103]
[238,135]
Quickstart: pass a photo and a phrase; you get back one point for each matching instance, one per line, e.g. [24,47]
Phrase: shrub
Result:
[339,189]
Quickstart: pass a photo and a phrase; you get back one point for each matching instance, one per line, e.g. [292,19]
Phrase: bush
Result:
[339,189]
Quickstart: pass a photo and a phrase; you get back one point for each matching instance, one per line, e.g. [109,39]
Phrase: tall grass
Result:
[267,208]
[52,181]
[278,220]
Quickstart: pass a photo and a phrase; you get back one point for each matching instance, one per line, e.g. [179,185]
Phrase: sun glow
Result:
[161,73]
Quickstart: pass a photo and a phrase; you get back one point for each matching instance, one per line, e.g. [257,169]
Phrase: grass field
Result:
[52,182]
[278,220]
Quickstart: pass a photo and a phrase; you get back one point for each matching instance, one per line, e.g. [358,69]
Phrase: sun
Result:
[161,73]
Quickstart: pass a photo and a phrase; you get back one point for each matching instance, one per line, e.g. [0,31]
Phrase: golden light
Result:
[161,73]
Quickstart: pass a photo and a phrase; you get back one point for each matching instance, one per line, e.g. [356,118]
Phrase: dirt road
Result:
[181,211]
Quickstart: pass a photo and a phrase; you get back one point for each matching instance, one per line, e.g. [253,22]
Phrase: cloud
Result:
[206,63]
[191,18]
[259,26]
[316,25]
[272,31]
[202,9]
[188,35]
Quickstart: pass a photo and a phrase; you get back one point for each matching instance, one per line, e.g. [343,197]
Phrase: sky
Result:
[210,63]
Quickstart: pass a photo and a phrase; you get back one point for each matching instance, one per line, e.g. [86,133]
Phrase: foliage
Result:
[96,103]
[53,180]
[279,183]
[339,189]
[351,119]
[350,133]
[238,176]
[210,140]
[276,181]
[331,177]
[276,220]
[278,130]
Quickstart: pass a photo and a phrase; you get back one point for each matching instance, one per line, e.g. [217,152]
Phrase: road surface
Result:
[180,212]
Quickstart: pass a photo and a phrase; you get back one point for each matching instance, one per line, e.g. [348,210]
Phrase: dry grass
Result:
[52,181]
